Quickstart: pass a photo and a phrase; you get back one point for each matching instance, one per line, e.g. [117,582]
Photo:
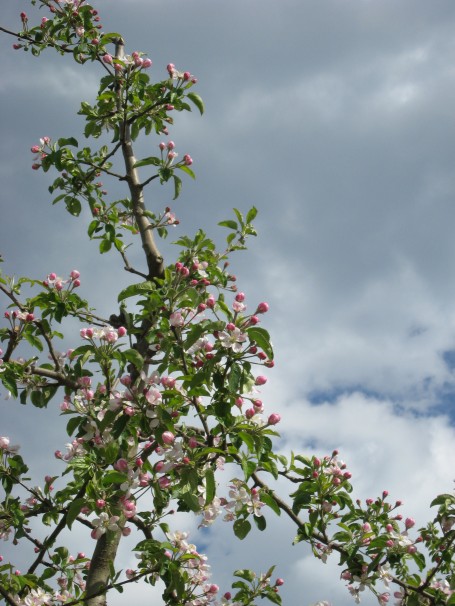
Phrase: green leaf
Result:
[9,381]
[73,206]
[48,573]
[136,289]
[261,522]
[241,529]
[74,510]
[229,223]
[247,439]
[195,332]
[113,477]
[239,216]
[301,499]
[262,338]
[68,141]
[186,169]
[249,467]
[191,501]
[133,356]
[93,227]
[210,486]
[270,502]
[251,214]
[72,424]
[235,377]
[274,597]
[177,186]
[196,99]
[105,245]
[152,160]
[245,574]
[33,340]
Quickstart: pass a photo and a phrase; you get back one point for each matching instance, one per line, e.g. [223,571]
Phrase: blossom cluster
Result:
[168,154]
[133,61]
[241,500]
[105,333]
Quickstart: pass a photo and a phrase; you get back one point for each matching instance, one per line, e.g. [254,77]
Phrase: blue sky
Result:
[336,120]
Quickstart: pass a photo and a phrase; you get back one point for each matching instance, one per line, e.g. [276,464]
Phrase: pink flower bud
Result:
[74,275]
[121,465]
[262,308]
[164,482]
[254,320]
[213,589]
[260,380]
[168,437]
[35,149]
[188,159]
[240,297]
[279,582]
[171,145]
[146,63]
[121,331]
[274,418]
[409,523]
[107,58]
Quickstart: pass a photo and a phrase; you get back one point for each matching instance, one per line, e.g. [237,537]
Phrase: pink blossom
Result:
[262,308]
[121,465]
[233,339]
[260,380]
[176,319]
[168,437]
[107,58]
[274,418]
[164,482]
[188,159]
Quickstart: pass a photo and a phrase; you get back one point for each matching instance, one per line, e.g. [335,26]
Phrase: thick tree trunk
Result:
[98,577]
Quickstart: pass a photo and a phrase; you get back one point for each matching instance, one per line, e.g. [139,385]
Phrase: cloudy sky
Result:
[335,118]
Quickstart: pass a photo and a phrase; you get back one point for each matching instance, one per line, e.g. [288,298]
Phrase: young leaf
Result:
[241,529]
[196,99]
